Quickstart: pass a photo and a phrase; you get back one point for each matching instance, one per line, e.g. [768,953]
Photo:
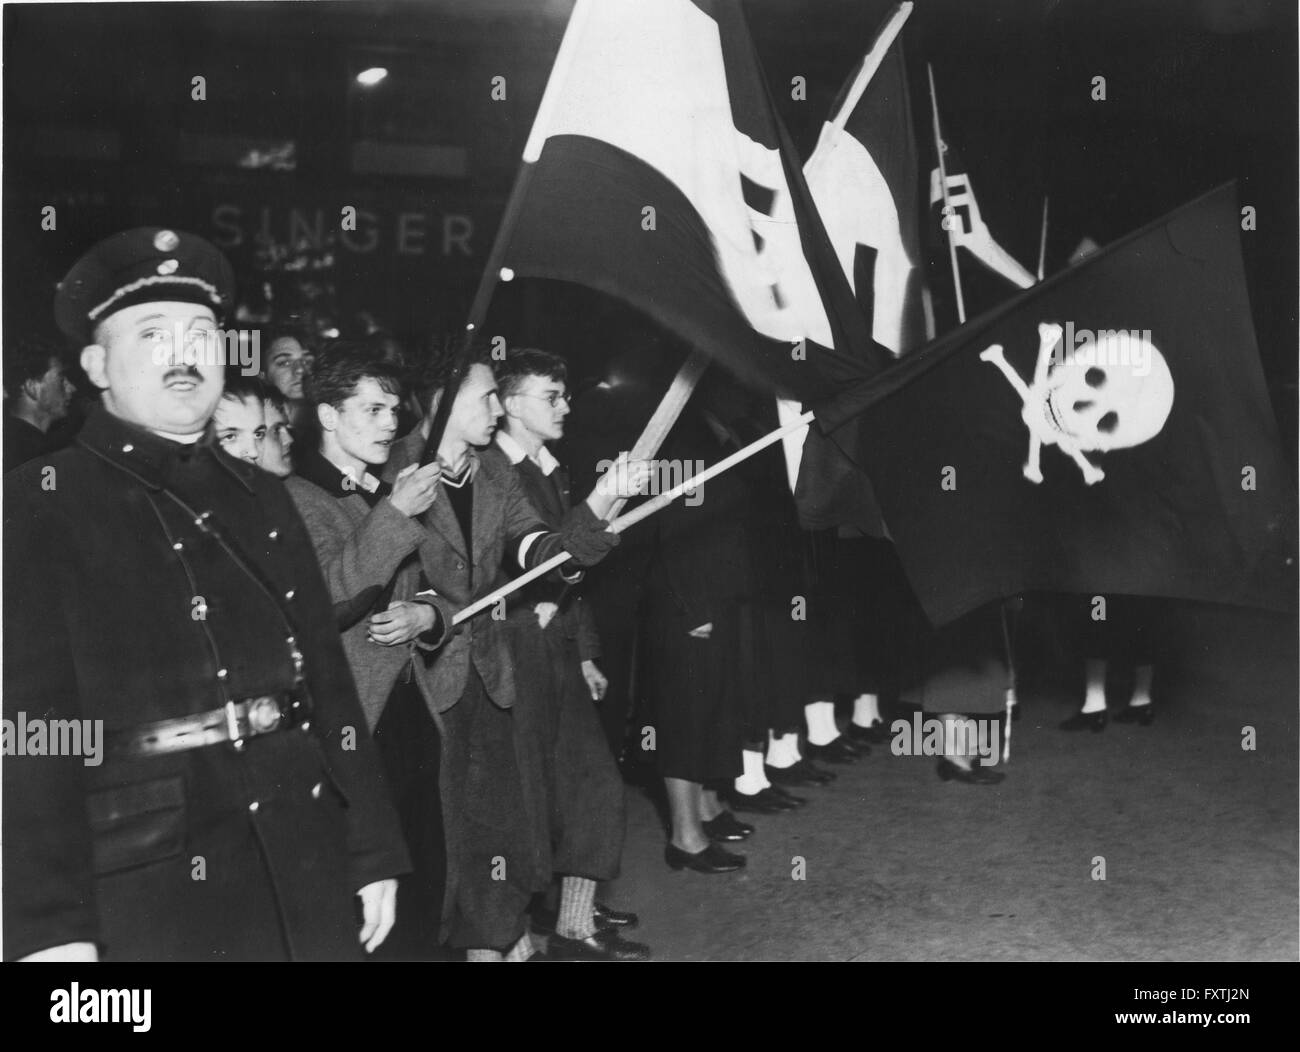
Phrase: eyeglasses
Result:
[553,399]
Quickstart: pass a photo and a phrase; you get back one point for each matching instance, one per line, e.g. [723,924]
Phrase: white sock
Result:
[783,751]
[473,956]
[753,781]
[866,710]
[954,740]
[1094,696]
[521,950]
[821,722]
[1142,688]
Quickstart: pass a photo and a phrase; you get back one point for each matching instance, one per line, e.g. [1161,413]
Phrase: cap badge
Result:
[166,241]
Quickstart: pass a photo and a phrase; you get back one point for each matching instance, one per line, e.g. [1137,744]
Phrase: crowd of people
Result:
[257,584]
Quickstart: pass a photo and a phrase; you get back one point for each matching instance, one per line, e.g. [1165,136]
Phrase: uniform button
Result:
[305,725]
[254,807]
[274,534]
[128,448]
[177,546]
[315,791]
[203,517]
[460,565]
[289,594]
[222,673]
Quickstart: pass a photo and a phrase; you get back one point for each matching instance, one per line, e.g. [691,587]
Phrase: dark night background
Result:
[98,121]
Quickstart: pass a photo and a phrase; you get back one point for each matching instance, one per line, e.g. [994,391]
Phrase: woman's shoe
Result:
[801,773]
[1142,715]
[876,734]
[837,751]
[727,827]
[974,775]
[711,860]
[1085,721]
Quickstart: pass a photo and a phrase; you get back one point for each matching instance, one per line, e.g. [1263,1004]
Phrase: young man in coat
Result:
[481,523]
[554,640]
[162,605]
[366,534]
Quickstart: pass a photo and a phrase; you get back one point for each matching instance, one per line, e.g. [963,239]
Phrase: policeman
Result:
[166,594]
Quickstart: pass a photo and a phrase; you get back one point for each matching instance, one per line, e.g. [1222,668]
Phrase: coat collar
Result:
[545,459]
[328,476]
[149,457]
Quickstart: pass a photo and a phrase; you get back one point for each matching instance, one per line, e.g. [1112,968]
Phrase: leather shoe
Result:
[728,828]
[801,773]
[608,919]
[711,860]
[876,734]
[786,797]
[763,802]
[1142,715]
[603,946]
[1085,721]
[543,920]
[976,774]
[838,751]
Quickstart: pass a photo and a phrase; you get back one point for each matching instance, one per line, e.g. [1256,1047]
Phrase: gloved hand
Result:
[586,537]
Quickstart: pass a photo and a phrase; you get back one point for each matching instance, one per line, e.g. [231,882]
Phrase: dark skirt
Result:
[1124,635]
[772,668]
[862,615]
[694,697]
[962,667]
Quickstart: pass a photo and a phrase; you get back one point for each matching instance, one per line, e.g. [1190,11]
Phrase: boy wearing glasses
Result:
[554,643]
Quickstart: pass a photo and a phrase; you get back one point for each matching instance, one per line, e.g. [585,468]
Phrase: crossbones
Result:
[1094,401]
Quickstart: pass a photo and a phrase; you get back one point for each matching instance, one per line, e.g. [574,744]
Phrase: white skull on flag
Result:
[1114,393]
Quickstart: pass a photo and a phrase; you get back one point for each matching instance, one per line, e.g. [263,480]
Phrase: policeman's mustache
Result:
[183,372]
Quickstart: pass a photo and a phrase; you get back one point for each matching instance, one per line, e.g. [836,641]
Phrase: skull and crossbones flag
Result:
[661,174]
[1107,431]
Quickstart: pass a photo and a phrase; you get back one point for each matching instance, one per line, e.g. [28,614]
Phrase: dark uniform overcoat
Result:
[146,580]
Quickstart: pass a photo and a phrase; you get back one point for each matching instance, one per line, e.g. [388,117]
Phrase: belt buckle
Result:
[264,715]
[232,725]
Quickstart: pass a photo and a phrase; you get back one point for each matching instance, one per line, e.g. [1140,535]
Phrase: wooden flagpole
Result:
[1042,242]
[1012,698]
[509,220]
[665,415]
[884,41]
[943,187]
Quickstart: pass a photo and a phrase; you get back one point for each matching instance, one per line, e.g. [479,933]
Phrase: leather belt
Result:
[235,722]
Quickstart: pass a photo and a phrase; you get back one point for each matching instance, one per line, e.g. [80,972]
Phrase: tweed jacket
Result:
[502,517]
[361,550]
